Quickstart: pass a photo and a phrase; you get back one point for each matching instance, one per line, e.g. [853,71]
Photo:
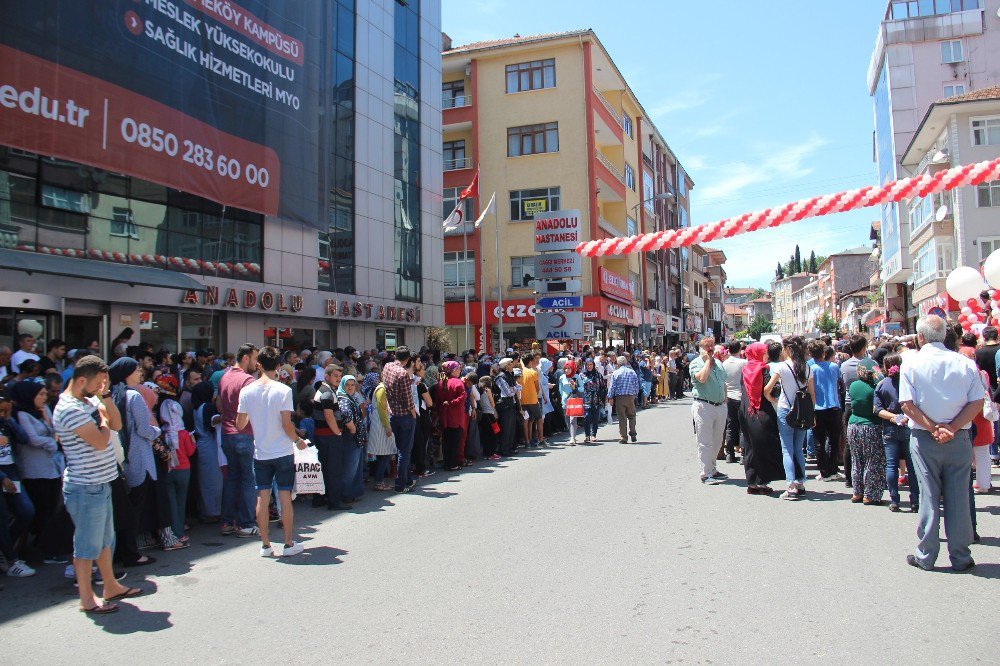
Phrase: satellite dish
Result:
[941,213]
[939,156]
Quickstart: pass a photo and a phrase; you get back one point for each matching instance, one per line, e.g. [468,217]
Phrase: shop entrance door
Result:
[82,331]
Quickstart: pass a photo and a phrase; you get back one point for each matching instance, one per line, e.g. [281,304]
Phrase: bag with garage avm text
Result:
[802,415]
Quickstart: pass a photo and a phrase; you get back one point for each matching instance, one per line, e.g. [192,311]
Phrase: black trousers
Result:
[421,433]
[508,430]
[732,426]
[450,441]
[126,520]
[53,528]
[487,437]
[826,435]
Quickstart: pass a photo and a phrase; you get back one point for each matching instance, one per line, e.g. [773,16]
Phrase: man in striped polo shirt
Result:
[84,419]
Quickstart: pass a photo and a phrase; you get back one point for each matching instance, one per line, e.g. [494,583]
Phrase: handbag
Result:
[990,412]
[161,449]
[574,407]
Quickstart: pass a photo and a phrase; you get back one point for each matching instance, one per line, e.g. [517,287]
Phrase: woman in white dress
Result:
[381,443]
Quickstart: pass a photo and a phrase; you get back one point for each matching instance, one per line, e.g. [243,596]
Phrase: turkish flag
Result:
[472,189]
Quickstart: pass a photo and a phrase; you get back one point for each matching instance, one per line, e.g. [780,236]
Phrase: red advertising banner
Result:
[51,109]
[615,286]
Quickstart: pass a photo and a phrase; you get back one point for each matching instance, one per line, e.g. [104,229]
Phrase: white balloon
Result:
[966,310]
[991,269]
[964,283]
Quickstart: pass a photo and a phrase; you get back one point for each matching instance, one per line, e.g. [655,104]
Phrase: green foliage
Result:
[759,326]
[827,324]
[758,293]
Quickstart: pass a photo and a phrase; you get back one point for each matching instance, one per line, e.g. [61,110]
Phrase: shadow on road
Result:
[315,556]
[132,620]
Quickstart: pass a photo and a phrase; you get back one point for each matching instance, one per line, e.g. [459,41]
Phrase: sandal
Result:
[179,545]
[103,609]
[130,593]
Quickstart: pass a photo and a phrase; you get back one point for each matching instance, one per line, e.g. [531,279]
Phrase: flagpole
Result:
[496,238]
[482,297]
[465,280]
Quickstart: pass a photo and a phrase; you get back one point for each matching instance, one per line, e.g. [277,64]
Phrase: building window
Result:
[532,139]
[63,199]
[533,75]
[522,271]
[407,233]
[682,189]
[453,94]
[988,246]
[647,192]
[629,177]
[627,124]
[633,283]
[988,195]
[450,200]
[953,90]
[986,131]
[631,228]
[951,51]
[453,155]
[459,269]
[524,204]
[122,223]
[904,9]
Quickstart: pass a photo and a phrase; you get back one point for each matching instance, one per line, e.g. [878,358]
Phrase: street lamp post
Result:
[644,332]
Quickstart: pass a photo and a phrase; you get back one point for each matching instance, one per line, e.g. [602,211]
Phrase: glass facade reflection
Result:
[336,246]
[63,208]
[885,156]
[406,224]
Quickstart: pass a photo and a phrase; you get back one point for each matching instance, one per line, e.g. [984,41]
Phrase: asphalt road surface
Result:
[594,554]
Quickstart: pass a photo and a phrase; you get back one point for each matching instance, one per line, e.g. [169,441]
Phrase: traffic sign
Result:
[558,287]
[559,302]
[559,325]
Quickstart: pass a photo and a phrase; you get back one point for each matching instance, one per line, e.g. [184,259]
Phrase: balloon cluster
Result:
[980,296]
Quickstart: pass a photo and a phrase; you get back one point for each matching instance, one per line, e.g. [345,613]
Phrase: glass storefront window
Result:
[199,331]
[161,331]
[389,338]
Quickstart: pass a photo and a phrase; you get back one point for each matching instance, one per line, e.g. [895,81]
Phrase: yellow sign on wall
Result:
[532,206]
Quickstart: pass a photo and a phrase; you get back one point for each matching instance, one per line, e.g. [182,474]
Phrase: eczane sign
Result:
[558,230]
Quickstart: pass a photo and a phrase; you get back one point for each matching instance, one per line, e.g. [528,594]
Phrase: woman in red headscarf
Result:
[570,386]
[759,423]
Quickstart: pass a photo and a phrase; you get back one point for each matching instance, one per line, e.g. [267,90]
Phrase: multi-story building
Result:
[784,321]
[716,295]
[957,228]
[735,316]
[738,295]
[761,307]
[552,125]
[282,190]
[925,50]
[805,307]
[855,307]
[697,295]
[843,273]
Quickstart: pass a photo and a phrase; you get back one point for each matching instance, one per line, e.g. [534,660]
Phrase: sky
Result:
[764,102]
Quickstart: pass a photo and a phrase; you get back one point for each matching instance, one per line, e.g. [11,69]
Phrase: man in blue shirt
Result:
[829,419]
[624,389]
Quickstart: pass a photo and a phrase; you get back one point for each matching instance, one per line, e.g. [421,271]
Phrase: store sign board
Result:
[559,325]
[558,265]
[558,230]
[535,206]
[559,287]
[615,286]
[243,299]
[559,302]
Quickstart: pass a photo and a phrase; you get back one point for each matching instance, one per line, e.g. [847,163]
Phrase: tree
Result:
[438,338]
[798,260]
[780,273]
[827,324]
[759,326]
[812,262]
[758,293]
[792,270]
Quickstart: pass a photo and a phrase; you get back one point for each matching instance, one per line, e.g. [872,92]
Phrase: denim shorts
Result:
[534,412]
[280,470]
[93,518]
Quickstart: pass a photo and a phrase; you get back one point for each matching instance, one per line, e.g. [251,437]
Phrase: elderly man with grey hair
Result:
[941,391]
[622,392]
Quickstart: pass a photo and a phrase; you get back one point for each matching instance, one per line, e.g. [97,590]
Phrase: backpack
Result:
[802,415]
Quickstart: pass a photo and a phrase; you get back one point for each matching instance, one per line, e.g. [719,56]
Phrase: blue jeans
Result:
[591,419]
[897,447]
[403,428]
[792,446]
[177,490]
[24,513]
[93,518]
[239,490]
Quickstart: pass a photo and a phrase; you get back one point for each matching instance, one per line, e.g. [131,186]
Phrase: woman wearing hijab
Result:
[895,432]
[354,430]
[759,423]
[39,463]
[593,401]
[864,434]
[450,398]
[381,443]
[139,464]
[570,386]
[206,430]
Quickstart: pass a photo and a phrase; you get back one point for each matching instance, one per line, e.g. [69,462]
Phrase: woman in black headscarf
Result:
[136,437]
[209,473]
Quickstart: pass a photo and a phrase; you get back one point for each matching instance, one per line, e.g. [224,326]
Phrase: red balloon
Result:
[962,319]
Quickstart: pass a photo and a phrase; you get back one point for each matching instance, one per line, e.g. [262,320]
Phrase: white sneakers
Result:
[20,569]
[287,551]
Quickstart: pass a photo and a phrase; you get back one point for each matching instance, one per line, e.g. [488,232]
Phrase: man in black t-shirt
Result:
[987,354]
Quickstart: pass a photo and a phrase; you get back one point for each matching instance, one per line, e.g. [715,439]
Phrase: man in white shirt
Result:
[26,344]
[266,405]
[734,395]
[940,391]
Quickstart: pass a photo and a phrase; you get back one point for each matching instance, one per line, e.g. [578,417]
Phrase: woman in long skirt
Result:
[759,424]
[380,440]
[864,435]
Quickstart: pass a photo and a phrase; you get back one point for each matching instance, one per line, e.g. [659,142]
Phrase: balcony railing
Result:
[608,227]
[449,102]
[458,163]
[616,172]
[607,105]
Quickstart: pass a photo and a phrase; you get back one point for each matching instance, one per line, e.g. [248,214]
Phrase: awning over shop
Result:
[873,317]
[89,269]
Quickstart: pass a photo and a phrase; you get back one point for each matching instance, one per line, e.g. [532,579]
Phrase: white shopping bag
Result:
[308,472]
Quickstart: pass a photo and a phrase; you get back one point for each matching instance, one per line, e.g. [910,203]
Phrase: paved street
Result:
[611,553]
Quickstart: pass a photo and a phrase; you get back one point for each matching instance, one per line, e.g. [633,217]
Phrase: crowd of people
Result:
[102,462]
[916,411]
